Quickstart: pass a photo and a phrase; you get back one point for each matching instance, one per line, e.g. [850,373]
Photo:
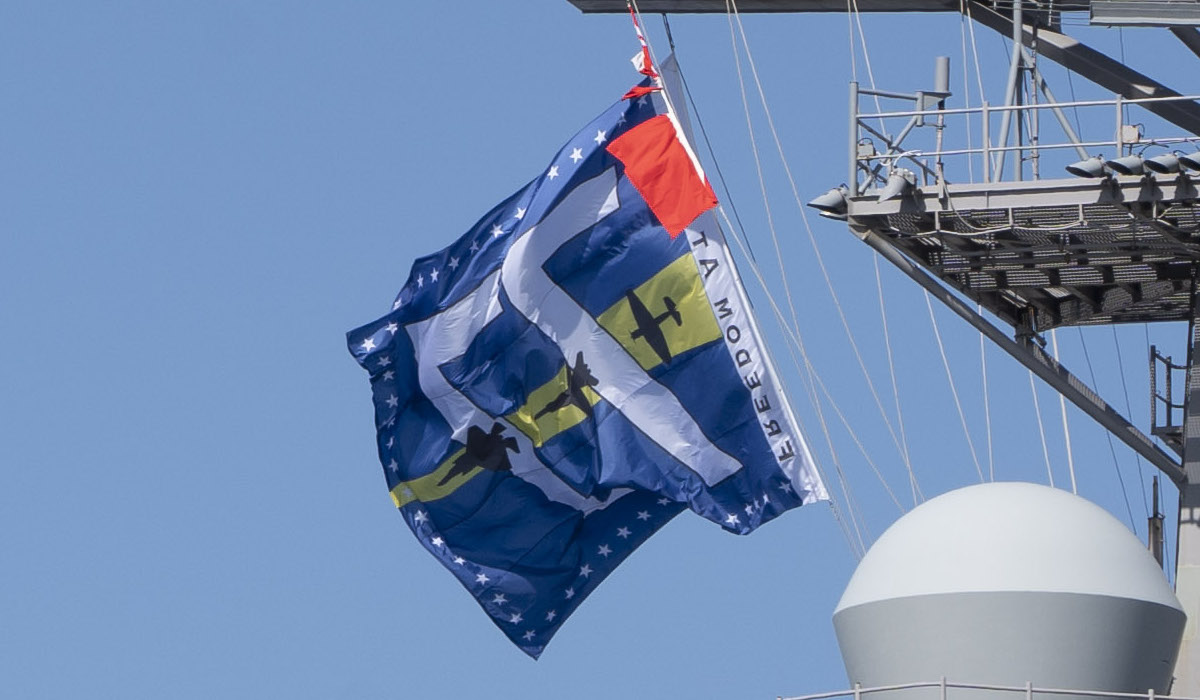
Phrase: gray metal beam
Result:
[1097,67]
[1189,36]
[1187,560]
[1145,13]
[748,6]
[1044,366]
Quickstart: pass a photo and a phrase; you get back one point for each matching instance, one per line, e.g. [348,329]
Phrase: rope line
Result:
[953,391]
[1037,410]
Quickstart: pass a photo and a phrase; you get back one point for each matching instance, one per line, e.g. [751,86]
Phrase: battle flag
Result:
[573,372]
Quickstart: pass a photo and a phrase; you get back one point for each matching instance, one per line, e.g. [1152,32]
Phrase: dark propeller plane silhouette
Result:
[578,378]
[649,326]
[486,450]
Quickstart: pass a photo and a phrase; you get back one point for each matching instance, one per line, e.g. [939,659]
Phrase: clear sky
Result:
[199,199]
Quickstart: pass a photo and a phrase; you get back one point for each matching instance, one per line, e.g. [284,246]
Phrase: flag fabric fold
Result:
[557,384]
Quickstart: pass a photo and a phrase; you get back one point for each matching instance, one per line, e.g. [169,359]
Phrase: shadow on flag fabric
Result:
[573,372]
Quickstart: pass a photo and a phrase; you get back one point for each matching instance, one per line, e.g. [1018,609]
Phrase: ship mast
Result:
[1113,240]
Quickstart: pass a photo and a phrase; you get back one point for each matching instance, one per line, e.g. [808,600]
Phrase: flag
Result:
[566,377]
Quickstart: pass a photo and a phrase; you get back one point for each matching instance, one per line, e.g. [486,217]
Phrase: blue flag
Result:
[570,374]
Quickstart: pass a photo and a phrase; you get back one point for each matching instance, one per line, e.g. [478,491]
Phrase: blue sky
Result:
[201,198]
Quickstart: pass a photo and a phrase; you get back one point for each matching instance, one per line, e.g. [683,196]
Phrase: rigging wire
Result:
[854,541]
[1112,450]
[887,342]
[1037,410]
[728,195]
[987,409]
[798,344]
[795,323]
[804,217]
[953,391]
[1062,405]
[945,361]
[1129,411]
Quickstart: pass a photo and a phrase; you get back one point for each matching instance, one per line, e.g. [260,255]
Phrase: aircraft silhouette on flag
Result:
[579,377]
[649,326]
[486,450]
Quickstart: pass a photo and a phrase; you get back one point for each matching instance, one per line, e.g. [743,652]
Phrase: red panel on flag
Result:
[659,167]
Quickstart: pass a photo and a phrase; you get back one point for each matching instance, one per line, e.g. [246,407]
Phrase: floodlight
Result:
[1129,165]
[1191,161]
[1091,167]
[1165,164]
[832,204]
[900,182]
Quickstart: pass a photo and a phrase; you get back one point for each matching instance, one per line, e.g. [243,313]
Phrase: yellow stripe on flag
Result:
[427,488]
[542,429]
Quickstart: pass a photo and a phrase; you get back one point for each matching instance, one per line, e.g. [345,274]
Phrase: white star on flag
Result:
[389,376]
[663,501]
[392,401]
[474,246]
[623,532]
[385,361]
[460,561]
[437,541]
[643,515]
[528,635]
[605,550]
[600,138]
[420,281]
[391,441]
[577,155]
[368,345]
[749,509]
[499,599]
[497,231]
[420,517]
[515,619]
[553,172]
[570,592]
[392,327]
[732,519]
[585,571]
[394,467]
[551,615]
[482,578]
[453,264]
[520,213]
[433,275]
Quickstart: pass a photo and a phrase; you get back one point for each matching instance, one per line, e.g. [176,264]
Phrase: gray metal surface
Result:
[749,6]
[1146,13]
[1052,639]
[1049,253]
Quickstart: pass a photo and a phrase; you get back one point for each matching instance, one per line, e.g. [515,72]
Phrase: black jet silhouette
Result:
[486,450]
[649,326]
[578,378]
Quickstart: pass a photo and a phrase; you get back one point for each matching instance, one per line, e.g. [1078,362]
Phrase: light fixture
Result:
[1165,164]
[832,204]
[1128,165]
[900,181]
[1090,167]
[1191,161]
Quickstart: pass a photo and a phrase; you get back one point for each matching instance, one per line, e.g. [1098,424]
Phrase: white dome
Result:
[1007,537]
[1005,584]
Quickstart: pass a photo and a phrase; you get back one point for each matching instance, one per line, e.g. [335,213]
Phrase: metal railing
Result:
[919,138]
[943,688]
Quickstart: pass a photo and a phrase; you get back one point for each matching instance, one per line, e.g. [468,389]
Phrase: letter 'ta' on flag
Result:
[662,172]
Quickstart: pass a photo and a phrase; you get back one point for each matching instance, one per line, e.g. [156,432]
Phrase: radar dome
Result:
[1008,584]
